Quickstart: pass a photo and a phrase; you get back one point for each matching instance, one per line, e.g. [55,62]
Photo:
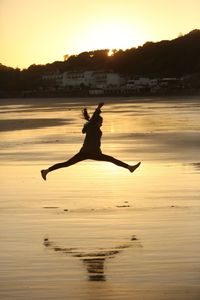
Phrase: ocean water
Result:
[94,230]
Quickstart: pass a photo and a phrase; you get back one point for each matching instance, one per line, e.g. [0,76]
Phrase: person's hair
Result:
[85,114]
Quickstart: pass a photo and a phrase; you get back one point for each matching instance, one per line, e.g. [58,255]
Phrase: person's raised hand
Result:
[100,104]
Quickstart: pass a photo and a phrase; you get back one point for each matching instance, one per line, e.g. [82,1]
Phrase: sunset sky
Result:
[43,31]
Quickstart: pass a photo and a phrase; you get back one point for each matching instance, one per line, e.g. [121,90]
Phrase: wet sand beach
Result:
[95,231]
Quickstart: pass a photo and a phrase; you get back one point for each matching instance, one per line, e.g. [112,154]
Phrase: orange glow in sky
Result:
[43,31]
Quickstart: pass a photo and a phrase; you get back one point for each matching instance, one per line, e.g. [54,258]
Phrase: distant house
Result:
[170,82]
[141,83]
[53,79]
[96,81]
[92,79]
[107,79]
[99,79]
[76,78]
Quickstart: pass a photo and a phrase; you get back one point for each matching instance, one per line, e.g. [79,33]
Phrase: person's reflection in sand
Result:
[95,268]
[93,261]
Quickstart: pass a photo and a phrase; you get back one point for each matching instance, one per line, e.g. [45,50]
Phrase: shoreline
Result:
[85,94]
[88,100]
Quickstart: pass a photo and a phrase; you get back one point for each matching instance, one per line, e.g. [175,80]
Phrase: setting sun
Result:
[110,52]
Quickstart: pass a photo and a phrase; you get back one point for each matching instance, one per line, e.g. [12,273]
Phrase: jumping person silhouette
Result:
[91,146]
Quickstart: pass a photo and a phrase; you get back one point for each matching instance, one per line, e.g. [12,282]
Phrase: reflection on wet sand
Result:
[34,123]
[85,209]
[196,166]
[94,261]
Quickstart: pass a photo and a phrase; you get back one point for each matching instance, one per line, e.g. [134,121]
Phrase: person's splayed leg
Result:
[44,174]
[133,168]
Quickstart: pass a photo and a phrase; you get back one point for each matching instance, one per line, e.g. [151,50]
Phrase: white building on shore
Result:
[97,79]
[98,82]
[77,79]
[140,83]
[53,79]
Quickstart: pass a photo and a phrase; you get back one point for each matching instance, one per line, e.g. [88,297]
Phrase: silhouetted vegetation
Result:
[176,58]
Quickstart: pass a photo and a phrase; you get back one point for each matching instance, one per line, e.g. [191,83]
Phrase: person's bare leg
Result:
[108,158]
[73,160]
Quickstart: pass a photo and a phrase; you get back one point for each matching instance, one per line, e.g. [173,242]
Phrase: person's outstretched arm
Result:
[94,117]
[97,112]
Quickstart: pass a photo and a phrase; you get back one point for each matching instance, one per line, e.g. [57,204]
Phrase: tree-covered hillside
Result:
[178,57]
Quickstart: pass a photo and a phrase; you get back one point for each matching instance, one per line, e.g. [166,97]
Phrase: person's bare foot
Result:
[133,168]
[44,174]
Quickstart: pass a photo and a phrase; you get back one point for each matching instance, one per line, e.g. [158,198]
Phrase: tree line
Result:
[175,58]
